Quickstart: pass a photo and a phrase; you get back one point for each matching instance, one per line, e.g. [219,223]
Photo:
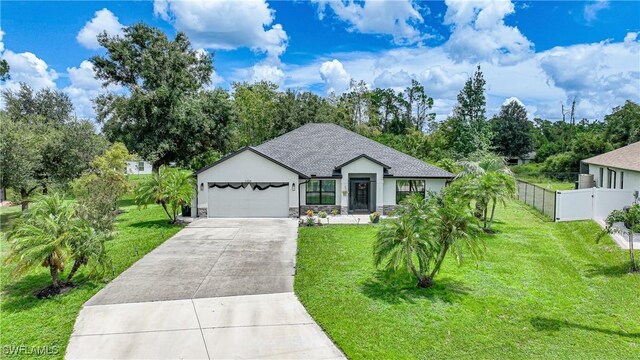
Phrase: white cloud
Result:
[396,80]
[1,42]
[631,37]
[226,24]
[84,88]
[270,73]
[398,18]
[591,10]
[104,20]
[28,68]
[336,79]
[480,34]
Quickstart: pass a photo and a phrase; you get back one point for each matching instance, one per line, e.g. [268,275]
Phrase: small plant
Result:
[630,217]
[322,214]
[334,212]
[311,221]
[374,217]
[310,213]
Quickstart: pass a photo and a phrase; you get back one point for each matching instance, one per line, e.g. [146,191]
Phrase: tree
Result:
[488,182]
[98,190]
[512,130]
[164,117]
[4,70]
[171,188]
[623,124]
[255,109]
[426,230]
[631,219]
[43,143]
[41,237]
[469,128]
[87,248]
[418,105]
[21,154]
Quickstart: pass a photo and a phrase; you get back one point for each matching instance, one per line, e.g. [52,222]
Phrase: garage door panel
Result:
[247,202]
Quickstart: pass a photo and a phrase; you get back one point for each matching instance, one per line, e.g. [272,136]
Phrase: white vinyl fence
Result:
[594,203]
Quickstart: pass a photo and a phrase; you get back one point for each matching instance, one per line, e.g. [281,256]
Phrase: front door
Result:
[360,195]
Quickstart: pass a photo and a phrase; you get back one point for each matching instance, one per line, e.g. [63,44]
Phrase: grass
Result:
[549,183]
[8,214]
[26,320]
[543,290]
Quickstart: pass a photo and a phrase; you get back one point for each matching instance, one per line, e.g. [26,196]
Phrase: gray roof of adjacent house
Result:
[626,157]
[319,149]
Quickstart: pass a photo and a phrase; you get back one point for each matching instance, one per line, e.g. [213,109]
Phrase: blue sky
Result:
[541,52]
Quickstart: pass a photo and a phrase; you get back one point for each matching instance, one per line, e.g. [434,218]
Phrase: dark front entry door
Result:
[359,195]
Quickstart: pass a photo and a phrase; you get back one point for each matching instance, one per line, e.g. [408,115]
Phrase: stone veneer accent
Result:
[344,210]
[202,212]
[317,208]
[380,209]
[387,209]
[293,212]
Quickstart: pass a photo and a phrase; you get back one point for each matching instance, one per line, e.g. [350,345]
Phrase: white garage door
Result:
[247,202]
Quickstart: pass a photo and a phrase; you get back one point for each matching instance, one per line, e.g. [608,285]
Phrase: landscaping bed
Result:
[543,290]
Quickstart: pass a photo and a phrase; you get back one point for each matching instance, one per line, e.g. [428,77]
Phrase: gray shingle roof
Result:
[626,157]
[316,149]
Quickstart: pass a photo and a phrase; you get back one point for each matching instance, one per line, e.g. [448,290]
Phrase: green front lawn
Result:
[543,290]
[26,320]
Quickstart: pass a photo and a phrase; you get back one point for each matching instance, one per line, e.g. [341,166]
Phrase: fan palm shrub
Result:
[630,217]
[41,237]
[424,232]
[87,247]
[171,188]
[487,182]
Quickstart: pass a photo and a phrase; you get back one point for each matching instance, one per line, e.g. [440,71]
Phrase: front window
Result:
[141,166]
[321,192]
[406,188]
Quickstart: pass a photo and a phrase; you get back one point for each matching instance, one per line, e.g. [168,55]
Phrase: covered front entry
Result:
[259,200]
[360,195]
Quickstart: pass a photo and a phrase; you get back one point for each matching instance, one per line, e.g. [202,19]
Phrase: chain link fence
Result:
[542,199]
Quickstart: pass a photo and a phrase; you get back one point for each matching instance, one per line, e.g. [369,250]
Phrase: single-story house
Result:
[138,167]
[521,160]
[320,167]
[617,169]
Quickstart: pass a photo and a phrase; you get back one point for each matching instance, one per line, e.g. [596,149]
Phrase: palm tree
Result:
[88,248]
[170,188]
[425,231]
[631,219]
[489,181]
[42,236]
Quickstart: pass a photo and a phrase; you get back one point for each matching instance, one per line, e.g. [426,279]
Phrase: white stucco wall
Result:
[132,167]
[390,187]
[631,178]
[246,166]
[363,166]
[303,190]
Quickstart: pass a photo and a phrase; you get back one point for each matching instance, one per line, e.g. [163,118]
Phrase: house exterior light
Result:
[293,186]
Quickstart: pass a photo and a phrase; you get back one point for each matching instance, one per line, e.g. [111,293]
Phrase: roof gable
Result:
[248,148]
[365,157]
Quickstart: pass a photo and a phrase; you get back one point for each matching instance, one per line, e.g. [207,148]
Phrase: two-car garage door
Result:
[248,202]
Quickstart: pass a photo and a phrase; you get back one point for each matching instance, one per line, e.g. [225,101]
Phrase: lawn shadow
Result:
[545,324]
[161,223]
[126,202]
[617,270]
[394,289]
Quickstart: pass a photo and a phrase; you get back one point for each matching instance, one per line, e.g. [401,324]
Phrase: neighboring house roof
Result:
[626,157]
[317,149]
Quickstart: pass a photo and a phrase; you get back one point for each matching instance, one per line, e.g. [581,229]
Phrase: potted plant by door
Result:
[374,217]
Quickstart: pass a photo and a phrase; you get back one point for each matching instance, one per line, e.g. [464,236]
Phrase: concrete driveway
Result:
[220,288]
